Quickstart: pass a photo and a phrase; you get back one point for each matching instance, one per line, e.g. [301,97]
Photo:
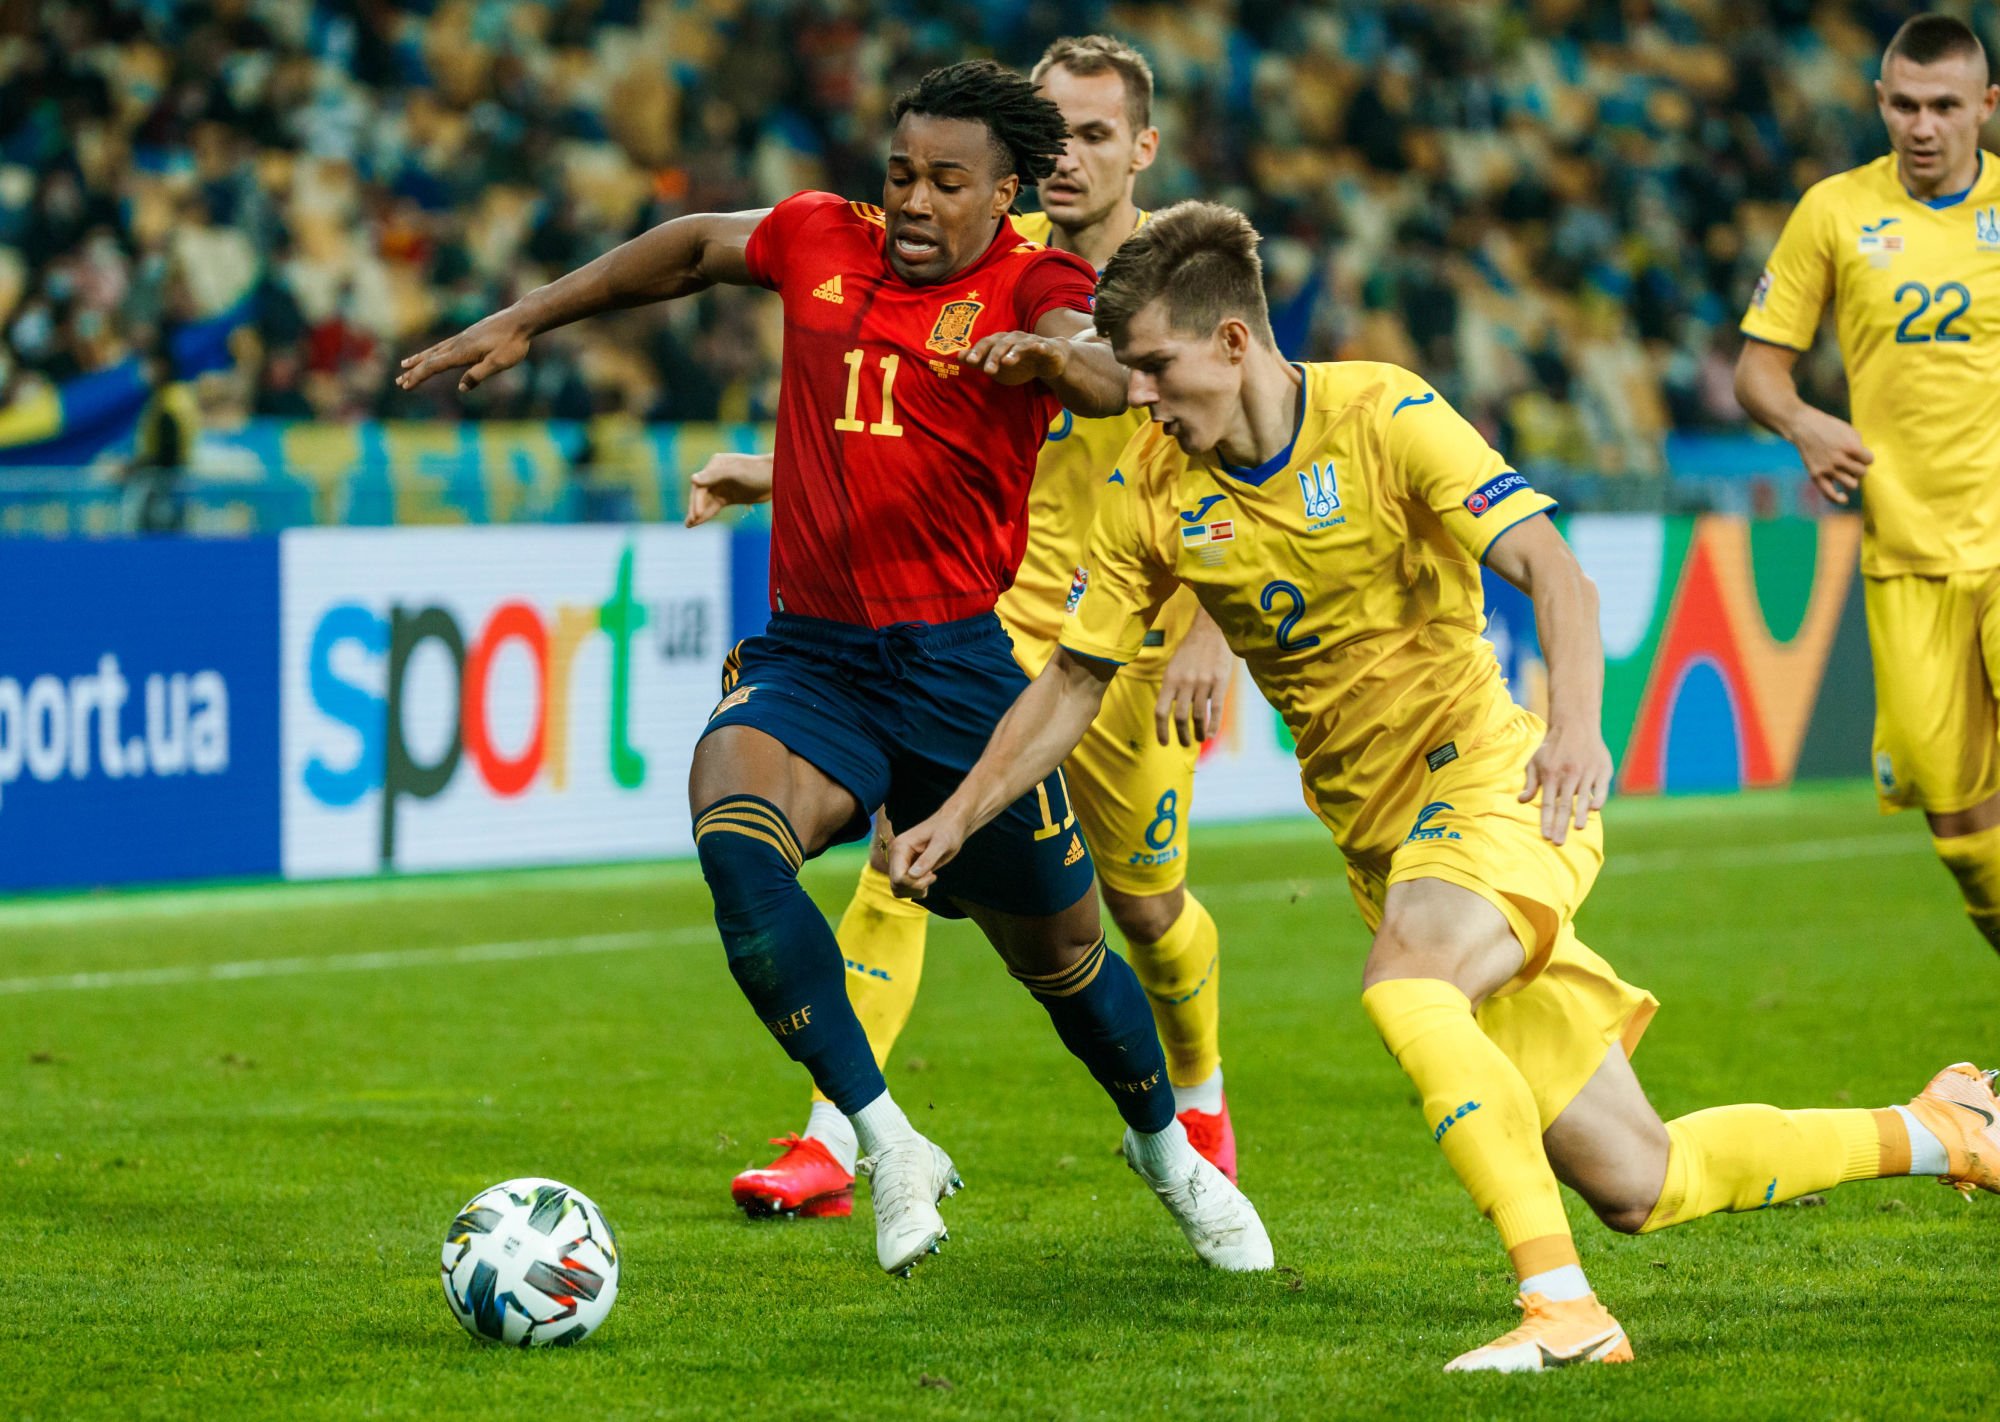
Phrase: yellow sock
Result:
[1480,1110]
[1182,976]
[1974,860]
[1746,1157]
[882,938]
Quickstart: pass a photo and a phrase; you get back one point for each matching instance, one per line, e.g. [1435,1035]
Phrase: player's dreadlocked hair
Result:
[1028,131]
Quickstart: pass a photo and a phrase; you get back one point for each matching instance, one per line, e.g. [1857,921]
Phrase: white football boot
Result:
[906,1179]
[1217,1218]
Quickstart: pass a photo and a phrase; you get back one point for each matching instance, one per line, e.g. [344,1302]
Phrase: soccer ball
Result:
[530,1262]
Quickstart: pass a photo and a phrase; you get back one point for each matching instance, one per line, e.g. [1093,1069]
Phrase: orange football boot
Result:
[1959,1108]
[805,1181]
[1551,1335]
[1212,1136]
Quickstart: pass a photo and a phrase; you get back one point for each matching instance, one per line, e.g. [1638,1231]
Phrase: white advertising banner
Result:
[1247,770]
[463,697]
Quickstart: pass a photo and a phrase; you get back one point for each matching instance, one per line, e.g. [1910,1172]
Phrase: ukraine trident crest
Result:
[1321,493]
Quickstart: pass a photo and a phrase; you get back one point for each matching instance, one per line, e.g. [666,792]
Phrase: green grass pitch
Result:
[236,1123]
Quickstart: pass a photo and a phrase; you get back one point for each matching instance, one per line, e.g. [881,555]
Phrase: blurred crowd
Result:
[1556,209]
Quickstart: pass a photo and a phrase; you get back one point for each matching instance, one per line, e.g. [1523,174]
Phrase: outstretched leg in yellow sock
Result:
[1640,1174]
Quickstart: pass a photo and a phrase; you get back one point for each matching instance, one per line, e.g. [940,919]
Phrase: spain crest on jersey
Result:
[953,331]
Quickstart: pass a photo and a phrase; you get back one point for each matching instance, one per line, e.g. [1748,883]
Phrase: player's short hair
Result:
[1028,131]
[1085,55]
[1201,259]
[1925,39]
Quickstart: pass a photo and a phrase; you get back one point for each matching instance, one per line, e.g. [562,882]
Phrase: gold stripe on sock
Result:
[1892,1143]
[752,808]
[1056,978]
[746,812]
[731,827]
[761,827]
[1071,980]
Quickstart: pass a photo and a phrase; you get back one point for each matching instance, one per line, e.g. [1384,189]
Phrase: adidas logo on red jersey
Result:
[829,290]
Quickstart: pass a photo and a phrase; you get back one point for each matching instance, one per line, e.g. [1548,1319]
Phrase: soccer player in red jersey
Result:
[927,349]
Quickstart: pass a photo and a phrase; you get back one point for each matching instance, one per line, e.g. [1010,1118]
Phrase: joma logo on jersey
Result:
[1319,489]
[1986,229]
[1423,829]
[953,331]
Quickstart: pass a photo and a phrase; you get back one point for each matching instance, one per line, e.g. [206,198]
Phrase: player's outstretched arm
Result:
[1040,729]
[728,478]
[1832,449]
[676,258]
[1065,354]
[1572,767]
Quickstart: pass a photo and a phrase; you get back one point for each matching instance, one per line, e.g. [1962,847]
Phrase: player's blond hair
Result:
[1201,259]
[1085,55]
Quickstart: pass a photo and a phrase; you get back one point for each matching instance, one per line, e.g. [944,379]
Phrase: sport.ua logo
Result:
[1986,229]
[1319,489]
[1423,829]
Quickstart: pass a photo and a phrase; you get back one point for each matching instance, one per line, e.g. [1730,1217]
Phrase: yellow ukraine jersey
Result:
[1078,458]
[1345,572]
[1916,294]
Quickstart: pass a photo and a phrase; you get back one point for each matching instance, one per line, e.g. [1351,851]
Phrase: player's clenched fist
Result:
[916,855]
[487,347]
[1016,357]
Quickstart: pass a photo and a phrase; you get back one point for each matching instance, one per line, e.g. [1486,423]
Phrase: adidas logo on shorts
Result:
[1075,851]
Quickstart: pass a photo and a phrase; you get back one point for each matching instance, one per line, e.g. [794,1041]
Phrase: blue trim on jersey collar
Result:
[1938,204]
[1261,475]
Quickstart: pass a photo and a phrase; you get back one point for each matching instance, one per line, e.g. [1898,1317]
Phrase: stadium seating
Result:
[1555,211]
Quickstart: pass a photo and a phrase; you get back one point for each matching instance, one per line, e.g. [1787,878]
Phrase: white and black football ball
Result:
[530,1263]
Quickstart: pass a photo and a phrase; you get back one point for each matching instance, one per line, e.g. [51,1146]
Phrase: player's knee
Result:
[1144,918]
[1425,945]
[751,862]
[1402,950]
[1624,1218]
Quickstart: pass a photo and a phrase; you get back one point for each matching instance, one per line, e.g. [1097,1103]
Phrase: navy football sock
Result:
[1101,1014]
[781,948]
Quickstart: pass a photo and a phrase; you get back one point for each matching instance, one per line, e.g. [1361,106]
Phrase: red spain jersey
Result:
[900,487]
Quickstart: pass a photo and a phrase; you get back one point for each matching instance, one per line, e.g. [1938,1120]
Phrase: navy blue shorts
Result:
[897,717]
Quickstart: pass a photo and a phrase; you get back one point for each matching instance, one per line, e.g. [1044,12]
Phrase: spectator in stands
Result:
[1542,205]
[163,446]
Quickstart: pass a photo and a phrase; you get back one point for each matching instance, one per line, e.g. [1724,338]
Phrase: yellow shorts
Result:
[1936,644]
[1556,1018]
[1131,794]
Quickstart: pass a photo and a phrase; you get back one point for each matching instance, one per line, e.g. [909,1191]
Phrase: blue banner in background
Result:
[138,711]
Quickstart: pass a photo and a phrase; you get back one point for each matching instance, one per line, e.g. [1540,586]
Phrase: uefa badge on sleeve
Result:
[1078,585]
